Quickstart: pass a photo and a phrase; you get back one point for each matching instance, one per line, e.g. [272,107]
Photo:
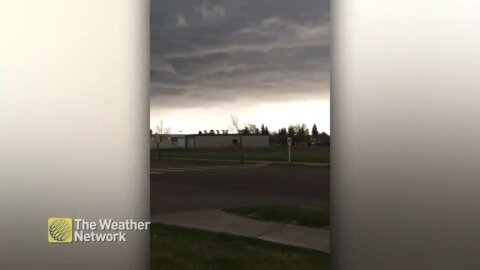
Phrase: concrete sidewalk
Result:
[265,162]
[219,221]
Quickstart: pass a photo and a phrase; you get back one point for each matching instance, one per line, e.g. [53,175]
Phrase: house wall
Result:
[190,142]
[227,141]
[175,142]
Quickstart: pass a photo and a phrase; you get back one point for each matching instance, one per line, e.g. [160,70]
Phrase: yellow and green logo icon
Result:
[60,230]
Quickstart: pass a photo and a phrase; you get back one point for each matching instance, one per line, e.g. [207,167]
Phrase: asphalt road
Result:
[180,187]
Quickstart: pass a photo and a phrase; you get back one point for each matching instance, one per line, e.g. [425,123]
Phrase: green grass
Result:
[180,248]
[311,165]
[179,162]
[320,154]
[316,216]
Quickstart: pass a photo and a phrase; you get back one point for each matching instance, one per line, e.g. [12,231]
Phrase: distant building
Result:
[207,141]
[226,140]
[167,141]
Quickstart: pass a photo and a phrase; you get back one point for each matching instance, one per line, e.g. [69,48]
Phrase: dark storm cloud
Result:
[214,51]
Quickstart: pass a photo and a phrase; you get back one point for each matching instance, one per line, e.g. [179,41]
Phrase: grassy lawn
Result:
[316,216]
[180,248]
[176,162]
[320,154]
[308,165]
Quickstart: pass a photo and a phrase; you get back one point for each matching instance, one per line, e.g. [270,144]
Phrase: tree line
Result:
[299,133]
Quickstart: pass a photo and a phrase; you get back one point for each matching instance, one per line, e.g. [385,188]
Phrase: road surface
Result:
[182,187]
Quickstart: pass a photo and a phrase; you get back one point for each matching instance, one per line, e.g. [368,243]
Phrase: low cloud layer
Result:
[208,52]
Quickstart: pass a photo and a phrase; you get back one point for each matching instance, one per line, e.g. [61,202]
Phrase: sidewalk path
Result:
[203,168]
[251,161]
[219,221]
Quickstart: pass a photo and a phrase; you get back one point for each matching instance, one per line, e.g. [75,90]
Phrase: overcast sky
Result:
[265,61]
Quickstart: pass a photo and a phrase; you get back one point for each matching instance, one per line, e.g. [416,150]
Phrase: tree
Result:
[301,133]
[298,132]
[236,126]
[291,131]
[264,130]
[200,132]
[235,123]
[282,136]
[314,131]
[160,135]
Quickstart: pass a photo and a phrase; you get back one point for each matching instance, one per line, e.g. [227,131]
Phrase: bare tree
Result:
[161,134]
[235,123]
[236,127]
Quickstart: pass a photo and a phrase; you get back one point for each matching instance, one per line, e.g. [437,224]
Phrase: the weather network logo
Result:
[60,230]
[69,230]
